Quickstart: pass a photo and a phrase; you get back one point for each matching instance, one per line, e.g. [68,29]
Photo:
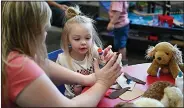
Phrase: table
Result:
[139,71]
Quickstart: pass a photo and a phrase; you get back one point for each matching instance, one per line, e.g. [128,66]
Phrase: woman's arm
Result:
[61,75]
[43,93]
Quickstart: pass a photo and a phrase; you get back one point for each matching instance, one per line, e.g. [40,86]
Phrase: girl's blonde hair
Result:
[23,26]
[74,15]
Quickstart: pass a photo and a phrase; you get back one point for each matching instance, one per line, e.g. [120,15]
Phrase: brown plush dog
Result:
[166,56]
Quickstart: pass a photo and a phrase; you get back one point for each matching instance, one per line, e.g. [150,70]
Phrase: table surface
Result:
[139,71]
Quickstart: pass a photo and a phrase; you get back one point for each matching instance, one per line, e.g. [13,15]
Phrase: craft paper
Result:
[122,81]
[130,95]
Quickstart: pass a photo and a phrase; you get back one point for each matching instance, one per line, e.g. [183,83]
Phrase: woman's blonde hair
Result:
[74,15]
[23,25]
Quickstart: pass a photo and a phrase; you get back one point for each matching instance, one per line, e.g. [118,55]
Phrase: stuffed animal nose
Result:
[159,58]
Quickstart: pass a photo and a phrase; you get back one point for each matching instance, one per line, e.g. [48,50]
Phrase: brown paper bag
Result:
[130,95]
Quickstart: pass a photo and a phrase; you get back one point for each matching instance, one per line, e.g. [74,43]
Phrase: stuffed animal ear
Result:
[177,54]
[150,52]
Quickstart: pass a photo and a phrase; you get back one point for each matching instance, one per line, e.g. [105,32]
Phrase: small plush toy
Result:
[165,92]
[159,94]
[141,102]
[166,57]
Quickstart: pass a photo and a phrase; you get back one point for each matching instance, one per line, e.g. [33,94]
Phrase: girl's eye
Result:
[88,38]
[167,53]
[76,39]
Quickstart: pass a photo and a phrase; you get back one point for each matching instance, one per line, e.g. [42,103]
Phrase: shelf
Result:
[152,29]
[159,30]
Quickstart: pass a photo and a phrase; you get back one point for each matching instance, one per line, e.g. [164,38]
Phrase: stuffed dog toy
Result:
[159,94]
[166,57]
[165,92]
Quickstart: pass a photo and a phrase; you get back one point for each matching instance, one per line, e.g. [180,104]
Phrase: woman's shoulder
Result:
[21,71]
[16,59]
[21,64]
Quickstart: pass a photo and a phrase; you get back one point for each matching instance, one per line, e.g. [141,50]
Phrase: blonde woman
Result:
[79,42]
[28,77]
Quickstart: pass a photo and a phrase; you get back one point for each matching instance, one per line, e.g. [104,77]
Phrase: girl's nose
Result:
[83,42]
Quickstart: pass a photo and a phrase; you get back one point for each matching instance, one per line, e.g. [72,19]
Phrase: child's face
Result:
[80,38]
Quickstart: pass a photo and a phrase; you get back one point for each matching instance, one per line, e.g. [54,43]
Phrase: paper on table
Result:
[121,80]
[130,95]
[116,86]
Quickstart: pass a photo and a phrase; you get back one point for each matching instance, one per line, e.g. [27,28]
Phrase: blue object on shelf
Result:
[53,56]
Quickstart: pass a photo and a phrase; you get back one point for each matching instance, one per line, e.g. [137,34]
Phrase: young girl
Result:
[25,64]
[119,23]
[79,40]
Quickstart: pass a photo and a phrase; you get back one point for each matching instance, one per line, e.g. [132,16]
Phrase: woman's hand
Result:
[110,72]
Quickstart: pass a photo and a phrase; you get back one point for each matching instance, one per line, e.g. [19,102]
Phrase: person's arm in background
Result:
[55,4]
[114,18]
[42,92]
[61,75]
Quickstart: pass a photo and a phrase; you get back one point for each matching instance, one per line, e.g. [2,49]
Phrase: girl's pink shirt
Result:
[21,71]
[120,6]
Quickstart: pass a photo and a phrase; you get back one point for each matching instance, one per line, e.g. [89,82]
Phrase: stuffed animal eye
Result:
[167,53]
